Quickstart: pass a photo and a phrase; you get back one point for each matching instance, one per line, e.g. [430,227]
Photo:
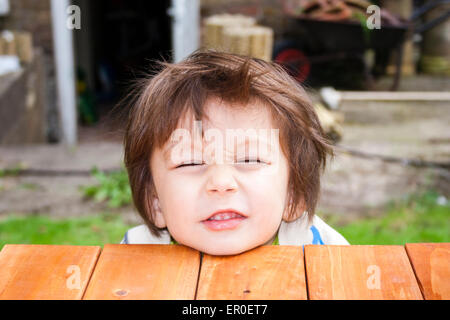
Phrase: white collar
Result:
[295,232]
[289,233]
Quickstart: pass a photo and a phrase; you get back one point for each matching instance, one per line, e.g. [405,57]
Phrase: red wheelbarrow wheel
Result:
[296,62]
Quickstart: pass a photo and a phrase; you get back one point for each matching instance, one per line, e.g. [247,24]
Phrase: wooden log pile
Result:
[238,34]
[15,43]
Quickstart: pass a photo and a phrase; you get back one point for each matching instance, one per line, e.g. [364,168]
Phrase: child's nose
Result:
[221,179]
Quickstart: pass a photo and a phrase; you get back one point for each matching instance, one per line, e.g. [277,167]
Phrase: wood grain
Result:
[41,272]
[267,272]
[145,272]
[359,272]
[431,264]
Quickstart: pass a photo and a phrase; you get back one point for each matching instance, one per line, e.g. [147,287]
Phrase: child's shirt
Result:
[298,232]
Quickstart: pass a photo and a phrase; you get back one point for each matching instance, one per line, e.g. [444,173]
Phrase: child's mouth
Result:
[224,220]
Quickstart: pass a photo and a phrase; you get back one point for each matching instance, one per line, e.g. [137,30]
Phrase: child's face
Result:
[255,192]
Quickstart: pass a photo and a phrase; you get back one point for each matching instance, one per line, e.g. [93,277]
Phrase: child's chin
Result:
[225,251]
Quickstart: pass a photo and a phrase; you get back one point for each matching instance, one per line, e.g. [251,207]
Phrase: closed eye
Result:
[189,164]
[250,161]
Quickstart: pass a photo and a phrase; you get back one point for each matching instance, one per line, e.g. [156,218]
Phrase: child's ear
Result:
[159,219]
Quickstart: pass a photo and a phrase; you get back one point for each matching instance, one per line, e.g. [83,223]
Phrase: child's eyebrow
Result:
[247,143]
[252,142]
[169,148]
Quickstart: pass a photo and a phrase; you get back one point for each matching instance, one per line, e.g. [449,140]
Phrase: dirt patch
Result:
[413,130]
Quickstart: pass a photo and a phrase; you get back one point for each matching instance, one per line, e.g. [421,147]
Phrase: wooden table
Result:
[414,271]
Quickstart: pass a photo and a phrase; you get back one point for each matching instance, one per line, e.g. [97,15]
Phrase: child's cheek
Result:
[180,195]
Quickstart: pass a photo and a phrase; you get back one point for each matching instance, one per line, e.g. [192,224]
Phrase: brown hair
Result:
[163,99]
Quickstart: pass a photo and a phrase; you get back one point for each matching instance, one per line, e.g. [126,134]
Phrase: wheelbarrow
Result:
[312,42]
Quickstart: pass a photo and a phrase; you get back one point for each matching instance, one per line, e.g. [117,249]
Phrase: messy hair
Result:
[163,99]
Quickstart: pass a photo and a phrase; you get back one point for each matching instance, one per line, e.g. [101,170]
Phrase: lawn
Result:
[418,218]
[96,230]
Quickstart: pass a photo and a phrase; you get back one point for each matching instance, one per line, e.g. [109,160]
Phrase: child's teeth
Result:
[224,216]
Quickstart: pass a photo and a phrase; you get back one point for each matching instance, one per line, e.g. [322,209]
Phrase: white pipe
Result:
[185,27]
[65,71]
[4,7]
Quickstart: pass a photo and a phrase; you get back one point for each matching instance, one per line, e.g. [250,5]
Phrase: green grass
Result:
[97,230]
[112,188]
[418,218]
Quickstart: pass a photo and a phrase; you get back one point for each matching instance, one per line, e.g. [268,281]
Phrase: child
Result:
[193,184]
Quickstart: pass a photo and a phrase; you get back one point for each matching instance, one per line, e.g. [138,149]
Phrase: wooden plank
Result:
[44,272]
[145,272]
[267,272]
[394,96]
[359,272]
[431,264]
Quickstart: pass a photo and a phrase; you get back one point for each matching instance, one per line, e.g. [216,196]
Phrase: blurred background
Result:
[378,76]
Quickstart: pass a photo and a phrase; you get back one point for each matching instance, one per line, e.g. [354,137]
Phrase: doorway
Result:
[119,40]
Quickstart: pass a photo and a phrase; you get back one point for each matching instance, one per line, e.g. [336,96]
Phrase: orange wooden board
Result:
[431,264]
[359,272]
[41,272]
[267,272]
[145,272]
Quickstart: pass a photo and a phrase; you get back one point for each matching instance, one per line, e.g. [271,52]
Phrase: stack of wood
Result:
[15,43]
[238,34]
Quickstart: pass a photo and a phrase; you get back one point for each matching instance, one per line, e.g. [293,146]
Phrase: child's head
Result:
[212,193]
